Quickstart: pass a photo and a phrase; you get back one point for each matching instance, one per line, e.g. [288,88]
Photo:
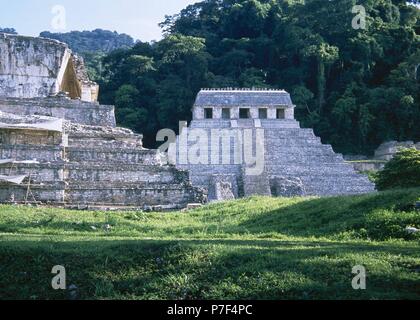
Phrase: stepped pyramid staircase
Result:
[99,167]
[295,162]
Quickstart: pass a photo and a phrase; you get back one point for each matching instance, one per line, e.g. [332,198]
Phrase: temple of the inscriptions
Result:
[244,142]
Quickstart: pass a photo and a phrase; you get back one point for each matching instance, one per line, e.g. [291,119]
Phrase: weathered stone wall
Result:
[365,166]
[30,137]
[38,68]
[112,155]
[387,150]
[171,196]
[40,173]
[100,166]
[50,194]
[63,108]
[45,153]
[31,67]
[223,187]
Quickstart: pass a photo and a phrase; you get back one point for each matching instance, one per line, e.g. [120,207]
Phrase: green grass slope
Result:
[256,248]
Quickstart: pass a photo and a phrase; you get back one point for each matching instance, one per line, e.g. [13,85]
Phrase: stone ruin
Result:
[37,68]
[384,153]
[388,150]
[59,146]
[294,161]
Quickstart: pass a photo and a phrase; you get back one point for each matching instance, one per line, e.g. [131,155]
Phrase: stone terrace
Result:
[64,148]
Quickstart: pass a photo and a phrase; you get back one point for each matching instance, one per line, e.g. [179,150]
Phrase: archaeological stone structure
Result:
[388,150]
[384,153]
[247,142]
[59,146]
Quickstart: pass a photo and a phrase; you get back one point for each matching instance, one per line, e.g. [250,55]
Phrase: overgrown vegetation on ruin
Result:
[403,171]
[262,248]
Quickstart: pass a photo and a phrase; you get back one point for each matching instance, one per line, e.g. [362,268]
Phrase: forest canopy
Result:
[356,87]
[97,40]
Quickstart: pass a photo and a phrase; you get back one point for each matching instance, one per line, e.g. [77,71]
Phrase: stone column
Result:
[217,113]
[254,113]
[198,113]
[272,113]
[235,113]
[290,114]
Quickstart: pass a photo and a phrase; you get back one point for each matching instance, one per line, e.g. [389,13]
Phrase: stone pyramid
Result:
[295,162]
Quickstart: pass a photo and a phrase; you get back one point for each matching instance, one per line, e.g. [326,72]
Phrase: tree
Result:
[97,40]
[8,30]
[356,88]
[403,171]
[325,55]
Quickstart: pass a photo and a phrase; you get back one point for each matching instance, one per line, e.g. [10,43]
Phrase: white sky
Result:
[138,18]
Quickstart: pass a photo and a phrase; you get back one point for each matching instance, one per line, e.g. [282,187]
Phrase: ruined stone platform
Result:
[95,166]
[58,146]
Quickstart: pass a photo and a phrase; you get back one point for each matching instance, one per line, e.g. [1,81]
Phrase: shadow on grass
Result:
[208,269]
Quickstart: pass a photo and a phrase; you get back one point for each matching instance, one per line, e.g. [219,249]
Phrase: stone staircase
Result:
[293,156]
[104,167]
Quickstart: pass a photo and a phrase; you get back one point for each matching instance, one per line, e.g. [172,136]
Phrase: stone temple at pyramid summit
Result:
[59,146]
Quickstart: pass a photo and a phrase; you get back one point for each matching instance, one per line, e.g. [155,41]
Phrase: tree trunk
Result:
[321,85]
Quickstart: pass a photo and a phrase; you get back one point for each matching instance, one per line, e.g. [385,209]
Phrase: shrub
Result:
[403,171]
[372,175]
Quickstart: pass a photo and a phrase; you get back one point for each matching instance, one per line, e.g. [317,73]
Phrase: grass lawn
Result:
[256,248]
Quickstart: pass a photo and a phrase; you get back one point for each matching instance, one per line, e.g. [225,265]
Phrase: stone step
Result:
[31,152]
[59,171]
[209,170]
[344,180]
[277,134]
[212,131]
[131,196]
[282,159]
[43,193]
[60,107]
[94,143]
[302,160]
[343,183]
[114,155]
[295,142]
[75,184]
[127,173]
[314,156]
[278,169]
[315,169]
[39,173]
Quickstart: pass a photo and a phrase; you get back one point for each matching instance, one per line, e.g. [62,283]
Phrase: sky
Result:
[138,18]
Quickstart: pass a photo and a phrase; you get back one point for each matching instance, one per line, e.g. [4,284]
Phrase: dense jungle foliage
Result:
[357,87]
